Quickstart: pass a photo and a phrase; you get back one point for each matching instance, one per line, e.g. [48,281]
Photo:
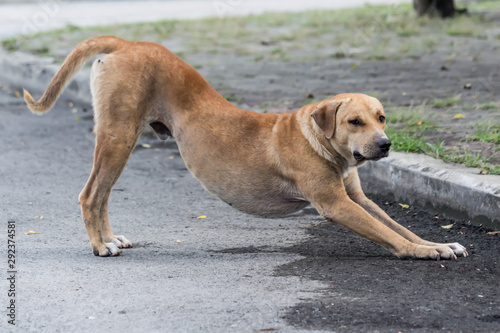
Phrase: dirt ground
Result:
[391,295]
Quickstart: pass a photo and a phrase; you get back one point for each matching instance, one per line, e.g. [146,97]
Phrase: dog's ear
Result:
[325,116]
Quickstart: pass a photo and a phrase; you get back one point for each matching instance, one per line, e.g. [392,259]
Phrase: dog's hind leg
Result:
[116,137]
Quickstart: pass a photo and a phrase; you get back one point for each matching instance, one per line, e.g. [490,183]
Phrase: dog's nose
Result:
[384,144]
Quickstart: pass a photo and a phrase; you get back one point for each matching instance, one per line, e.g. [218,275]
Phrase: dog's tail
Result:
[75,60]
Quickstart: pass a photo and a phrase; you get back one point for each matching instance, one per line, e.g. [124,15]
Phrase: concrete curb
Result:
[454,190]
[450,189]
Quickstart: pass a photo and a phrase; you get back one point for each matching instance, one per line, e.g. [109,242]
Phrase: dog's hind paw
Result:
[122,242]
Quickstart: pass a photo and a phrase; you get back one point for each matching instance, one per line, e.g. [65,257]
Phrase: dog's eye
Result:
[381,119]
[354,122]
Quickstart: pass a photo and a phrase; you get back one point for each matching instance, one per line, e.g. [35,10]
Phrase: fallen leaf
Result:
[483,172]
[78,118]
[18,94]
[354,66]
[403,93]
[442,266]
[179,241]
[31,232]
[447,226]
[39,217]
[480,296]
[459,116]
[202,217]
[170,157]
[404,206]
[145,145]
[467,86]
[494,232]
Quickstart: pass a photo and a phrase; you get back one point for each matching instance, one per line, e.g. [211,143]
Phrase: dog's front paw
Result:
[435,252]
[458,249]
[121,242]
[106,250]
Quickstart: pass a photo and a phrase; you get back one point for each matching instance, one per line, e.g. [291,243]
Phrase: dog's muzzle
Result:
[383,145]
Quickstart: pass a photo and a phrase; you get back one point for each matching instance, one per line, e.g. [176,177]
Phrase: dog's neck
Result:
[318,141]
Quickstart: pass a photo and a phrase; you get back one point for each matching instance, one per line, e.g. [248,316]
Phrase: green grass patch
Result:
[486,133]
[487,106]
[414,141]
[484,5]
[412,117]
[446,102]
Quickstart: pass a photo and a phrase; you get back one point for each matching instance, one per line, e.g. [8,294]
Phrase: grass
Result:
[486,133]
[446,102]
[414,141]
[487,106]
[413,130]
[370,32]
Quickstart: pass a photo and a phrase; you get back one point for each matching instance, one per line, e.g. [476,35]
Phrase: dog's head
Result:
[354,125]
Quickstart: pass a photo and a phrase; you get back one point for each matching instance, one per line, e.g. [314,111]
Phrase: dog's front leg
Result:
[332,202]
[355,192]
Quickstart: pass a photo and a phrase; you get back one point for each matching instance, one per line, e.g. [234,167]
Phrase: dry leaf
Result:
[18,94]
[78,118]
[483,172]
[31,232]
[179,241]
[202,217]
[39,217]
[442,266]
[145,145]
[447,226]
[458,116]
[494,232]
[404,206]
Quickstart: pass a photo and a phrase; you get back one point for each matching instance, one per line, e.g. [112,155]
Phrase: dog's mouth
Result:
[358,157]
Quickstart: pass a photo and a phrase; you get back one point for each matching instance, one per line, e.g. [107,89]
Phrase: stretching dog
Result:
[265,164]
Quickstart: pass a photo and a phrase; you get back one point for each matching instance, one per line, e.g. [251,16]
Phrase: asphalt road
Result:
[228,272]
[172,280]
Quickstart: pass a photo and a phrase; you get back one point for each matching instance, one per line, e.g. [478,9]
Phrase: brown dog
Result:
[265,164]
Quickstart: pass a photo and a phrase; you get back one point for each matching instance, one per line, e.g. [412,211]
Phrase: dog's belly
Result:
[263,202]
[250,190]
